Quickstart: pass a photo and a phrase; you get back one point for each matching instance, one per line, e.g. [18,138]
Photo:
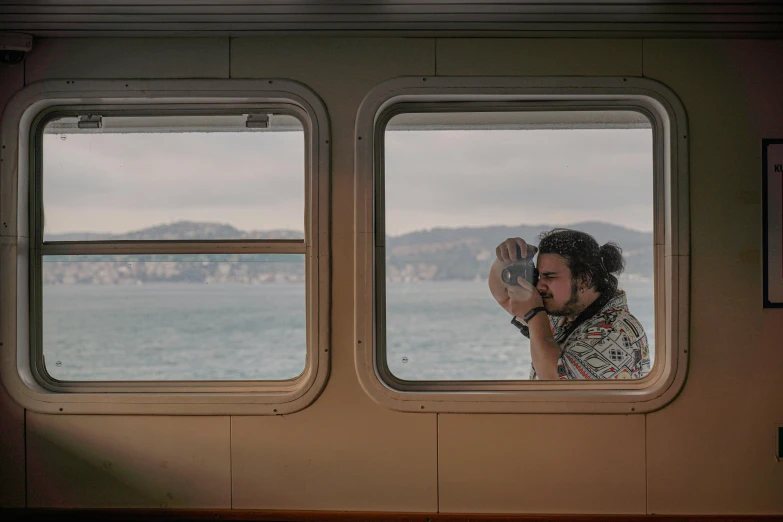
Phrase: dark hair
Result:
[587,261]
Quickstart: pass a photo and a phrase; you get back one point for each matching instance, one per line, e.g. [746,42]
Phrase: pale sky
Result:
[116,183]
[512,177]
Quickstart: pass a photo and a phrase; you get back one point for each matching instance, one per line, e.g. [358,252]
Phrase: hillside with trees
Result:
[440,254]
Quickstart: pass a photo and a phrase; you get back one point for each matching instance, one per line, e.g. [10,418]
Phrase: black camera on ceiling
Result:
[14,48]
[11,57]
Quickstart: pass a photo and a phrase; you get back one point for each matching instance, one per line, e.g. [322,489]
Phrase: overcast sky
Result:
[117,183]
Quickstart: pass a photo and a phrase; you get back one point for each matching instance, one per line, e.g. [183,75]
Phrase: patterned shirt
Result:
[610,345]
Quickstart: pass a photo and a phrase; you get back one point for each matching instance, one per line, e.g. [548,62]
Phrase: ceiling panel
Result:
[612,18]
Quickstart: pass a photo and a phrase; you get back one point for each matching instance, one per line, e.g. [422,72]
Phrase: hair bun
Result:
[612,258]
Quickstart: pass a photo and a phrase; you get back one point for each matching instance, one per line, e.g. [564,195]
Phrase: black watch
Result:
[528,316]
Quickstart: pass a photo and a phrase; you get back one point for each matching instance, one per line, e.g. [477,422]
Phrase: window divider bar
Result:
[243,246]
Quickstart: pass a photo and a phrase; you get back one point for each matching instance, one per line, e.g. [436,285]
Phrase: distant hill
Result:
[467,253]
[438,254]
[181,230]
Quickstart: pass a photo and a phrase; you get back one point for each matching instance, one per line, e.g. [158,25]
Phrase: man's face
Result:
[556,286]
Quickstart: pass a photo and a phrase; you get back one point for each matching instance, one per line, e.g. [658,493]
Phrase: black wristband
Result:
[528,316]
[523,329]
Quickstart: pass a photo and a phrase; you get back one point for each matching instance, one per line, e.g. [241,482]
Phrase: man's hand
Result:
[519,300]
[506,251]
[523,298]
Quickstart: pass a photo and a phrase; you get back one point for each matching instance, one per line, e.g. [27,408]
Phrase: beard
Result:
[571,307]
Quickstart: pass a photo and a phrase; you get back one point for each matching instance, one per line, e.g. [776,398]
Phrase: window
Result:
[174,248]
[456,166]
[150,184]
[457,184]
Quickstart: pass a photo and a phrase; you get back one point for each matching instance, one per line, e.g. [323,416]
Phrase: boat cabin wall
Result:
[711,451]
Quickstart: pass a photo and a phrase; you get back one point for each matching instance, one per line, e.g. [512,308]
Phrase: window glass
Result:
[218,311]
[459,184]
[176,177]
[174,317]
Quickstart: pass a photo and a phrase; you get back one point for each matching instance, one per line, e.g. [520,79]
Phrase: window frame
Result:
[670,233]
[22,249]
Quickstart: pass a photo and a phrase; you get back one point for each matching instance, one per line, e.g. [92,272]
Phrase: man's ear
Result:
[586,281]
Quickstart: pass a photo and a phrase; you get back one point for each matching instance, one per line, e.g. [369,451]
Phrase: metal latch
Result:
[257,121]
[91,121]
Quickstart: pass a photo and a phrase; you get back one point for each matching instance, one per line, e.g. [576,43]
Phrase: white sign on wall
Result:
[772,190]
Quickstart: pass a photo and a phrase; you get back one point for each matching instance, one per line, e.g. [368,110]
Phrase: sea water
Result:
[447,330]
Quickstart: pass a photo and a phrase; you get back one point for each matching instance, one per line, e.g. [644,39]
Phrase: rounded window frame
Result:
[671,245]
[20,358]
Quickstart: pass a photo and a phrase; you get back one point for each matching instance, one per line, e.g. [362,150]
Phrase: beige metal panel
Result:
[91,461]
[12,493]
[712,450]
[344,452]
[11,80]
[542,464]
[539,57]
[341,70]
[12,488]
[357,457]
[758,72]
[128,58]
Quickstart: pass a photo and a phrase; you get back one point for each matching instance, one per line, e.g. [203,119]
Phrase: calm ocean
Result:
[437,330]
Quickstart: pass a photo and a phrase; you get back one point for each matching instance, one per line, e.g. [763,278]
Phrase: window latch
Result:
[257,121]
[90,121]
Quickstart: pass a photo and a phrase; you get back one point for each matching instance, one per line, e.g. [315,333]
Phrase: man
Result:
[577,320]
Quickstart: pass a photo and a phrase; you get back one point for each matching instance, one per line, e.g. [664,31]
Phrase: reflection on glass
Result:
[174,317]
[143,181]
[458,185]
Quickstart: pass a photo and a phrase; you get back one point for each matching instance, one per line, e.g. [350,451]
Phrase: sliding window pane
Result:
[174,317]
[174,178]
